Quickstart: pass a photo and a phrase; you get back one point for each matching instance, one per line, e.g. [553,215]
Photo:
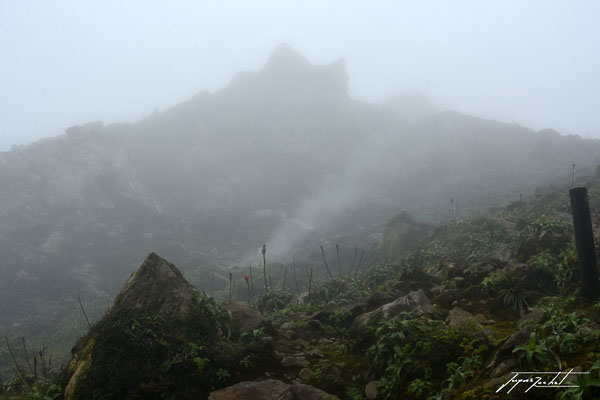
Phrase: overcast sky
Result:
[536,63]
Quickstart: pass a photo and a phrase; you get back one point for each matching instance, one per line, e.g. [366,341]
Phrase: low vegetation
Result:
[500,294]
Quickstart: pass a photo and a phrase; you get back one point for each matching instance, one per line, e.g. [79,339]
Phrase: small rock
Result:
[458,317]
[298,360]
[333,372]
[306,374]
[315,353]
[587,329]
[288,334]
[287,326]
[307,392]
[320,315]
[498,381]
[522,336]
[244,317]
[371,390]
[486,333]
[314,325]
[454,303]
[341,365]
[534,316]
[503,368]
[482,319]
[413,301]
[270,389]
[264,346]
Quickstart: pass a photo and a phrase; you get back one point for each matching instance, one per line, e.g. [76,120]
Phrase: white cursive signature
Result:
[559,380]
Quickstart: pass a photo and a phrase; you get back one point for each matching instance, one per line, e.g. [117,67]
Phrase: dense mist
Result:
[282,156]
[325,133]
[532,62]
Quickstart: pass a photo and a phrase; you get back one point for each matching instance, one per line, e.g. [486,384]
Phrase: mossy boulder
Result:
[401,232]
[160,338]
[244,317]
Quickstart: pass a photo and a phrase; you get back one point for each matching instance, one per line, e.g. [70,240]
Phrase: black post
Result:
[264,253]
[584,236]
[337,250]
[310,284]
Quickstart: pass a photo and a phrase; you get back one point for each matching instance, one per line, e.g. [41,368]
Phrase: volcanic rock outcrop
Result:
[159,337]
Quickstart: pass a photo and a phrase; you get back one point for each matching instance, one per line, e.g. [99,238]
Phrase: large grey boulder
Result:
[143,331]
[244,318]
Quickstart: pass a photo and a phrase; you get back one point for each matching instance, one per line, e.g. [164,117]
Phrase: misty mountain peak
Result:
[289,82]
[286,58]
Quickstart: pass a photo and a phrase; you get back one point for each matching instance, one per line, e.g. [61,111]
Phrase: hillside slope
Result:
[281,156]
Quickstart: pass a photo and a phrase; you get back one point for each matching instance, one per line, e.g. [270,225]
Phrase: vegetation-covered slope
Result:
[447,316]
